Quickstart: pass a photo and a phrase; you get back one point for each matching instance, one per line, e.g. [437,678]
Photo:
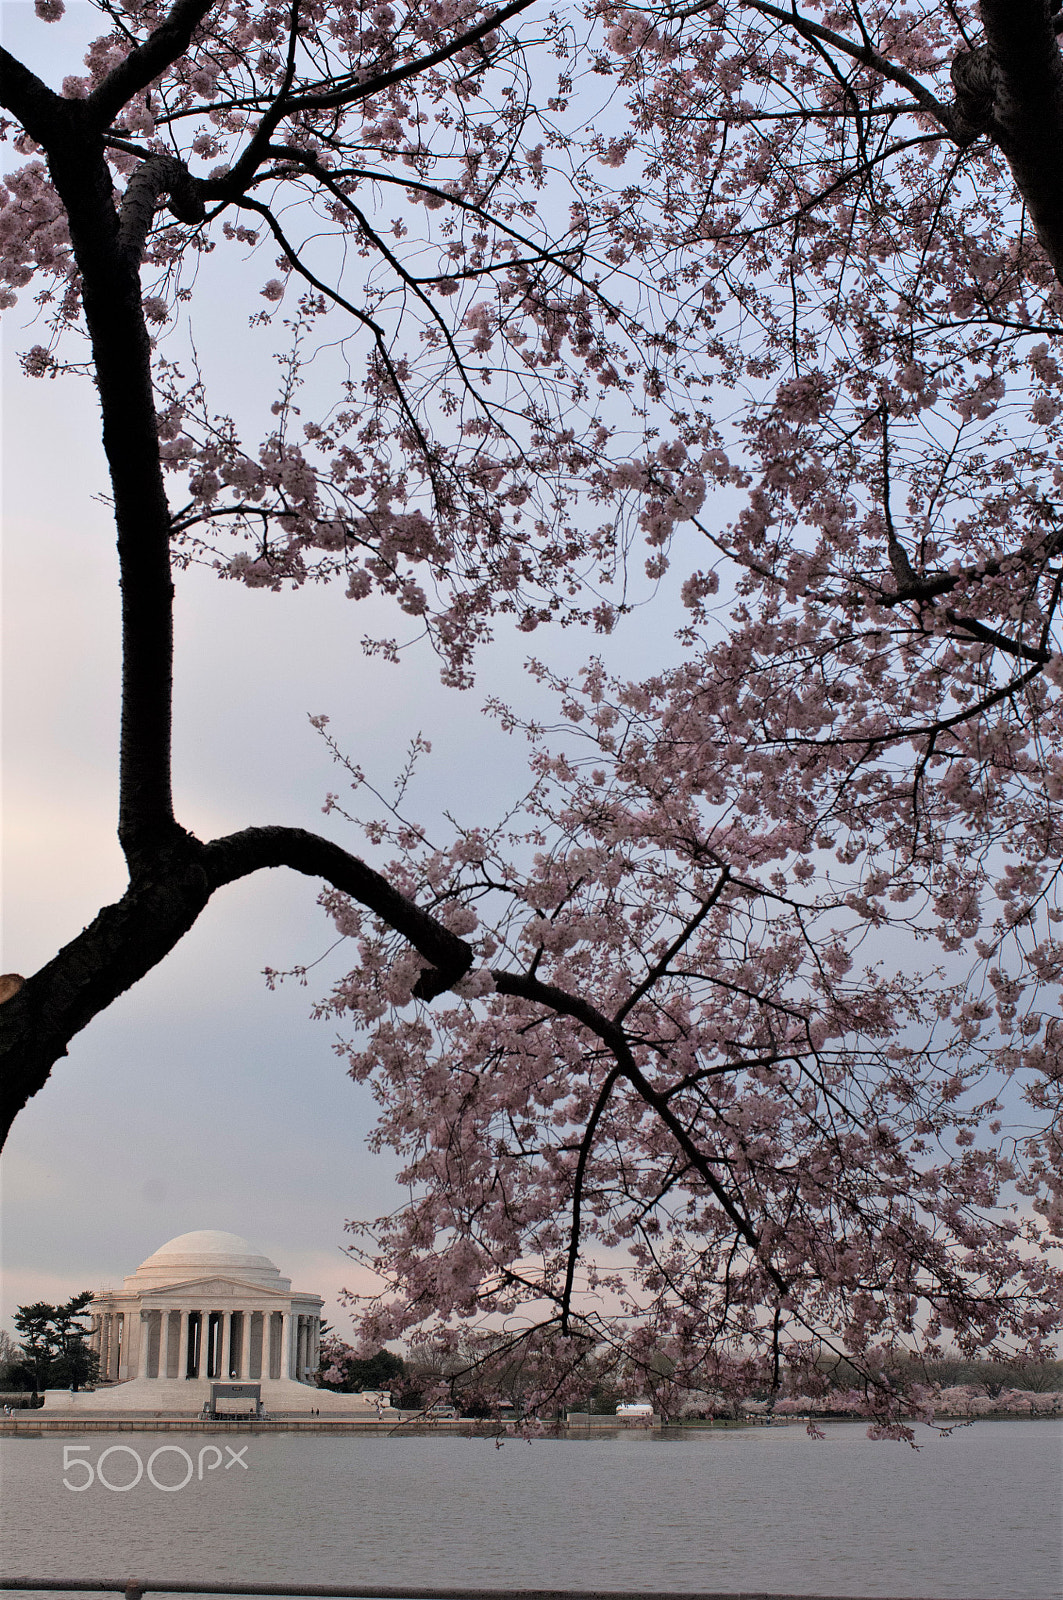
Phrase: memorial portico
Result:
[237,1319]
[206,1308]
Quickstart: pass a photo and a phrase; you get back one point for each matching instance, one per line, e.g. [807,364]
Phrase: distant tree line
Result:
[482,1375]
[1038,1377]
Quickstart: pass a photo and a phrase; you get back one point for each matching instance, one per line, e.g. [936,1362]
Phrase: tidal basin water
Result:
[977,1514]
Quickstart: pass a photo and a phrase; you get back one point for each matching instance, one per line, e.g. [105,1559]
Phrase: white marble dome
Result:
[204,1253]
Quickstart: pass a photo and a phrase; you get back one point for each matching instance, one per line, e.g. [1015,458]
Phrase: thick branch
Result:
[585,1146]
[999,641]
[127,939]
[23,94]
[239,854]
[119,946]
[384,80]
[164,45]
[121,353]
[1027,114]
[157,175]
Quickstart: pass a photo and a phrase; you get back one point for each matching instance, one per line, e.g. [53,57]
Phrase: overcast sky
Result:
[199,1100]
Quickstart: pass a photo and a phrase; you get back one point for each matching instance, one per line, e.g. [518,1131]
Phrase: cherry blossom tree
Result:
[695,1100]
[788,280]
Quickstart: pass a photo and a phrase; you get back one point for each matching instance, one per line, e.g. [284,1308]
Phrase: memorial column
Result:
[168,1344]
[245,1345]
[182,1347]
[129,1350]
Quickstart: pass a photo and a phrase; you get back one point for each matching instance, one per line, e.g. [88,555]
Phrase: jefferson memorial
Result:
[204,1321]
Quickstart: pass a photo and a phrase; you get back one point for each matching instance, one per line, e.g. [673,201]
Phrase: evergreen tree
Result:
[53,1349]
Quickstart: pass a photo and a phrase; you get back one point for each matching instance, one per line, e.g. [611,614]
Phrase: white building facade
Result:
[207,1310]
[206,1305]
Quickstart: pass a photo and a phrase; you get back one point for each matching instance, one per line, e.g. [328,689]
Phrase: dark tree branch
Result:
[239,854]
[999,641]
[121,351]
[243,170]
[157,175]
[38,108]
[660,967]
[172,875]
[1027,112]
[160,49]
[127,939]
[121,944]
[567,1005]
[863,52]
[585,1146]
[384,80]
[298,265]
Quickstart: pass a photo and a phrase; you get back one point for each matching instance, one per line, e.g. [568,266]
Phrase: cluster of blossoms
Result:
[492,326]
[34,237]
[683,1086]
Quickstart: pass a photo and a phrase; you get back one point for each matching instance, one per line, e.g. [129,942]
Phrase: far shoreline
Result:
[32,1425]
